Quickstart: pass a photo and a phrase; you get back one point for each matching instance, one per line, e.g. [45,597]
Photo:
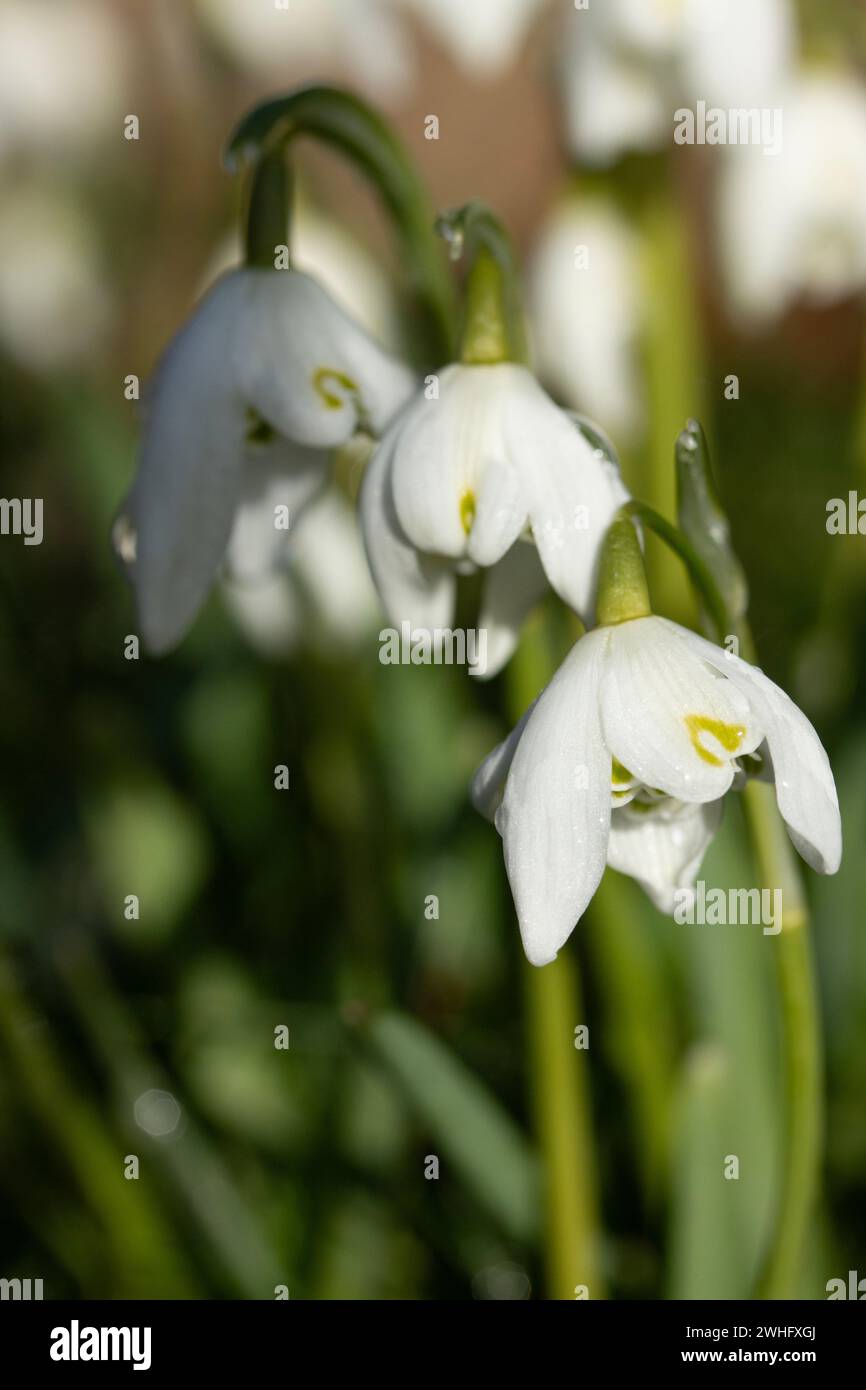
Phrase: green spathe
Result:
[622,585]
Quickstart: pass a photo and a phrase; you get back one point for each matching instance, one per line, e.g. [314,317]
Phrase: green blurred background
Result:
[154,1037]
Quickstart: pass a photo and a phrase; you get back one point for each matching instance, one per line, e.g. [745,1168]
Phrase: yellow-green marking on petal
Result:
[729,736]
[618,773]
[325,377]
[467,510]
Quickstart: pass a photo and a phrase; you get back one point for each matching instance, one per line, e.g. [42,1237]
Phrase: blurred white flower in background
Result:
[627,64]
[794,225]
[584,301]
[54,304]
[63,78]
[363,38]
[369,40]
[322,593]
[485,36]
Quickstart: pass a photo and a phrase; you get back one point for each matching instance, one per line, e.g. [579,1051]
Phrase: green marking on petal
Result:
[730,736]
[618,773]
[467,510]
[325,378]
[258,430]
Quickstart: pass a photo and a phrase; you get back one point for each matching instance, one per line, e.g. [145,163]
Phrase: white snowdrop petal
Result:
[805,789]
[555,813]
[667,717]
[308,369]
[414,588]
[573,495]
[499,514]
[434,444]
[662,847]
[489,780]
[183,501]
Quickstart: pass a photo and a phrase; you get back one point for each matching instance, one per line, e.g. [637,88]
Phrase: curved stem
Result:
[268,209]
[698,571]
[347,124]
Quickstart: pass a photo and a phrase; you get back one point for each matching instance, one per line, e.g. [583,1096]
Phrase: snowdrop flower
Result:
[465,479]
[266,376]
[625,759]
[627,64]
[585,308]
[795,225]
[484,36]
[482,470]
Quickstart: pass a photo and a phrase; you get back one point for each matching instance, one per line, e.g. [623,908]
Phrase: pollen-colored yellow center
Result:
[728,736]
[324,381]
[467,510]
[618,773]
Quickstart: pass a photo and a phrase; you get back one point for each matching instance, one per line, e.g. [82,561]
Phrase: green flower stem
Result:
[639,1036]
[268,209]
[562,1117]
[492,328]
[699,573]
[801,1049]
[802,1052]
[559,1072]
[345,123]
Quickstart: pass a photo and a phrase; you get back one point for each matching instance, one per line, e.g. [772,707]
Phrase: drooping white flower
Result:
[628,64]
[462,480]
[486,35]
[794,225]
[585,305]
[318,589]
[265,378]
[642,714]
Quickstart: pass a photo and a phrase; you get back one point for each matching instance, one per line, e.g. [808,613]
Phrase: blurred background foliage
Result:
[305,908]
